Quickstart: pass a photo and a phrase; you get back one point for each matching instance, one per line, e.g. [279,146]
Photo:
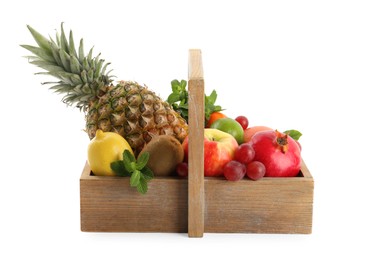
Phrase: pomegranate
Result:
[279,153]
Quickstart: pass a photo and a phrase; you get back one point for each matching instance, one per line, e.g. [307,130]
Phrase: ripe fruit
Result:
[279,153]
[243,121]
[126,108]
[234,171]
[182,169]
[213,117]
[165,152]
[231,127]
[255,170]
[103,149]
[219,148]
[251,131]
[244,153]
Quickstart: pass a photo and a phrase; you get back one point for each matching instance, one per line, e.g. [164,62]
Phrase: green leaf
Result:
[142,160]
[85,64]
[98,68]
[295,134]
[173,97]
[185,113]
[119,169]
[65,59]
[56,53]
[90,75]
[212,97]
[43,42]
[74,65]
[46,65]
[183,84]
[96,61]
[41,53]
[72,48]
[184,107]
[105,68]
[58,41]
[147,173]
[63,41]
[75,79]
[134,179]
[128,158]
[139,173]
[89,56]
[217,109]
[175,86]
[84,76]
[142,187]
[127,154]
[81,53]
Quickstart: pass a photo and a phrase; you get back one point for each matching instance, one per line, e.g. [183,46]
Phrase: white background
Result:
[308,65]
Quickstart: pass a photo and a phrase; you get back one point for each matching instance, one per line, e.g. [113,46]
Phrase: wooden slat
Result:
[109,204]
[196,152]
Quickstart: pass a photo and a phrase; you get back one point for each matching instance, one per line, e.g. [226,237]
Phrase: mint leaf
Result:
[142,186]
[212,97]
[129,156]
[129,161]
[175,86]
[295,134]
[183,84]
[137,170]
[173,97]
[142,160]
[134,179]
[147,173]
[179,99]
[119,168]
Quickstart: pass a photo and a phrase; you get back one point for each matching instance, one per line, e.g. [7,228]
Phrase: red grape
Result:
[244,154]
[255,170]
[234,171]
[182,169]
[243,121]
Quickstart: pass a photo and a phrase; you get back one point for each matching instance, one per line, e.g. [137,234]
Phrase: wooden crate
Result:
[197,204]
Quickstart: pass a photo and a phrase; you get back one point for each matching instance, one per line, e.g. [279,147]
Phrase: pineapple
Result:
[126,108]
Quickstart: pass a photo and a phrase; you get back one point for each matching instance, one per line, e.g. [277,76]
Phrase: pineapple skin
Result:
[134,112]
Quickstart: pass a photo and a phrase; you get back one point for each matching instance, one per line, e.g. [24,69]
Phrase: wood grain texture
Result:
[196,152]
[269,205]
[109,204]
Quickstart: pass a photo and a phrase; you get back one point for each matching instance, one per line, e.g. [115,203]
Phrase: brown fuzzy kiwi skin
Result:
[165,153]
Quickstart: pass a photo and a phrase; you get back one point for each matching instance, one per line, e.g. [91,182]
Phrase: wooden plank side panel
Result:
[269,205]
[109,204]
[196,152]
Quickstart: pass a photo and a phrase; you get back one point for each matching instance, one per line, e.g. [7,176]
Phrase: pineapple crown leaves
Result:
[80,77]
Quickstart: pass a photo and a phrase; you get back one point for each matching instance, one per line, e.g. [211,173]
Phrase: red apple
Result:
[219,148]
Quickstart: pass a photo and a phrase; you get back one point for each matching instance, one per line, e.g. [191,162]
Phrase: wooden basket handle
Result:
[196,148]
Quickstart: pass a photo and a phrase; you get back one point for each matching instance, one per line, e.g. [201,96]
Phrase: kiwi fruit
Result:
[165,153]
